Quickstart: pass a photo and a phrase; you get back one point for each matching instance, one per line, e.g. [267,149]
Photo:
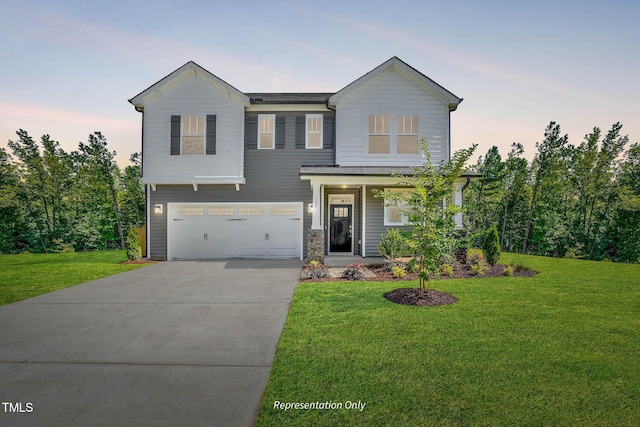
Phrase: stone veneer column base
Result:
[315,245]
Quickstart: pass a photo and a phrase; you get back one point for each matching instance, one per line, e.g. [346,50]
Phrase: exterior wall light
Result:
[310,208]
[157,209]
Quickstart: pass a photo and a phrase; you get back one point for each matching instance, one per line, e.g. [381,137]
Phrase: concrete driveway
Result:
[176,343]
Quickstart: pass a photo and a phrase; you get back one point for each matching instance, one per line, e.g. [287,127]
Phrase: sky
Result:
[68,68]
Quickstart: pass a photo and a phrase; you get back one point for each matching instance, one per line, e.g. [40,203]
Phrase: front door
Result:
[340,229]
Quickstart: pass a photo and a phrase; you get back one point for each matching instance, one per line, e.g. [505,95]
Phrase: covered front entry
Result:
[341,224]
[234,230]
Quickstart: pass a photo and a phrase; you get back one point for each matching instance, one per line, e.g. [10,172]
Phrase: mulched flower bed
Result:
[429,297]
[462,273]
[139,261]
[415,296]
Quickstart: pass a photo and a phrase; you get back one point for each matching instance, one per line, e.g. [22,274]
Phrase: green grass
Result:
[561,348]
[28,275]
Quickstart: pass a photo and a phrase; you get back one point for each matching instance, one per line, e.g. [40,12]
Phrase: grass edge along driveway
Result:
[24,276]
[559,348]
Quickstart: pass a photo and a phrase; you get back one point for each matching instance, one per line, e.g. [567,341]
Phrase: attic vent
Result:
[258,99]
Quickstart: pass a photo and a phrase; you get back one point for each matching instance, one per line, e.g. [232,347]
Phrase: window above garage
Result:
[193,134]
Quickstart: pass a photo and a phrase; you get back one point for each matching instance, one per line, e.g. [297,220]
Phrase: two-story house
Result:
[283,175]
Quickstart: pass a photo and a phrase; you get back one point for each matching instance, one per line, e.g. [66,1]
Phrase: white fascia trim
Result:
[201,180]
[256,108]
[351,180]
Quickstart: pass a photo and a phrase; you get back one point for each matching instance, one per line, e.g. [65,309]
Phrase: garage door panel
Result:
[227,230]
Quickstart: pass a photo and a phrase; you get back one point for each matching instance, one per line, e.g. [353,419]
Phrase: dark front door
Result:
[340,228]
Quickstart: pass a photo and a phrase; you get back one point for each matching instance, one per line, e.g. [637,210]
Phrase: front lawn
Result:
[561,348]
[27,275]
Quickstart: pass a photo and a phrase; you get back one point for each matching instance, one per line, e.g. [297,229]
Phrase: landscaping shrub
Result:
[392,244]
[491,246]
[353,272]
[508,271]
[316,270]
[475,256]
[479,269]
[133,245]
[446,270]
[398,272]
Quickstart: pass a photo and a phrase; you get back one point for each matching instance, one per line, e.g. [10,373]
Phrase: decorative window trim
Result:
[266,128]
[404,220]
[193,127]
[314,124]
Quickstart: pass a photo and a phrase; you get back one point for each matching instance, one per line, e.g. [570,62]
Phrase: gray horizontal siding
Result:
[375,222]
[292,124]
[271,175]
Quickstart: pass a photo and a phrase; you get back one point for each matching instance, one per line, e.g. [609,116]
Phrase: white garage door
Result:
[234,230]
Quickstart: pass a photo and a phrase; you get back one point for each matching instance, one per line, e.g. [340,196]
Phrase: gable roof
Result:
[396,64]
[188,70]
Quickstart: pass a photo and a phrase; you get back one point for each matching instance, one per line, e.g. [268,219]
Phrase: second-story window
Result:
[407,127]
[379,135]
[193,134]
[266,131]
[314,131]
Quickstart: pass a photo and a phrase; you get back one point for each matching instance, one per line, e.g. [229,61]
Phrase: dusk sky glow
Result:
[69,67]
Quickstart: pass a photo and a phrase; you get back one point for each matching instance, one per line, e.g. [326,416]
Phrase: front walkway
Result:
[176,343]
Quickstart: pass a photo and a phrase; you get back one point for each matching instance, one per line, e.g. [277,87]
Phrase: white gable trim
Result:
[189,70]
[407,71]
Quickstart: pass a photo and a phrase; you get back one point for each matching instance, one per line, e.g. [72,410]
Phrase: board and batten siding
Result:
[271,176]
[193,96]
[391,94]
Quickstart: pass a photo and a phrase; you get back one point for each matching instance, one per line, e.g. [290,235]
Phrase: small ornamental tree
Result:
[491,246]
[427,203]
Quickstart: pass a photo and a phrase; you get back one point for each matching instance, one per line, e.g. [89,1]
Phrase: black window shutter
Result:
[280,127]
[211,134]
[301,129]
[175,135]
[251,132]
[327,132]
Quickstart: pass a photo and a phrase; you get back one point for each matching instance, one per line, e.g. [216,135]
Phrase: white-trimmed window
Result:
[193,132]
[313,133]
[379,135]
[395,210]
[407,129]
[266,131]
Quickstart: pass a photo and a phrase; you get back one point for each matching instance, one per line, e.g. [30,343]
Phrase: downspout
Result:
[335,121]
[449,158]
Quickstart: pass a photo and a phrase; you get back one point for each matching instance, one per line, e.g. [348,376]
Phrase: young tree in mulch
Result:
[431,232]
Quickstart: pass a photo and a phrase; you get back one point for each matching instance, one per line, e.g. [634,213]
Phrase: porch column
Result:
[315,236]
[317,209]
[457,201]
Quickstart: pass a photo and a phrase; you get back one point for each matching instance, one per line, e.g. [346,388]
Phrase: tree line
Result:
[51,200]
[579,201]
